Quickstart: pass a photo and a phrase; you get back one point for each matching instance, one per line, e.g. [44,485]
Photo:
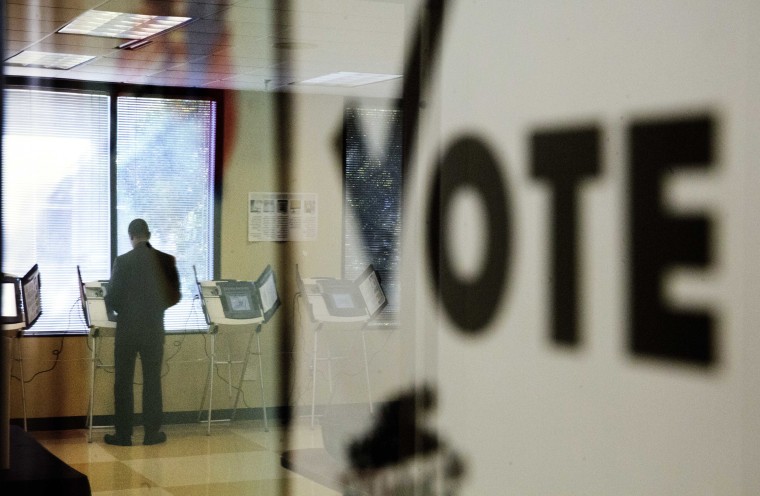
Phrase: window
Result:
[372,220]
[165,152]
[62,190]
[56,195]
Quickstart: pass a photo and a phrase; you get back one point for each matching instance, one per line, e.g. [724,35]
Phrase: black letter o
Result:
[471,304]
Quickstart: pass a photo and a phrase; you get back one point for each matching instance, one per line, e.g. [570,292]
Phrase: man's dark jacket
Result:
[144,283]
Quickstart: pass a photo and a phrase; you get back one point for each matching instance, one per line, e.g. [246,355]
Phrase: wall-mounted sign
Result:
[282,216]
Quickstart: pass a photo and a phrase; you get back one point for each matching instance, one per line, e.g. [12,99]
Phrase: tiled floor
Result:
[237,458]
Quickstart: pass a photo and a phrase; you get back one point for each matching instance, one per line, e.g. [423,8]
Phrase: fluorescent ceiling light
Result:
[349,79]
[121,25]
[47,60]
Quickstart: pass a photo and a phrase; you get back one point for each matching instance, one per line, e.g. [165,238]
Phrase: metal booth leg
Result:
[366,371]
[212,361]
[257,332]
[261,382]
[93,358]
[20,360]
[314,376]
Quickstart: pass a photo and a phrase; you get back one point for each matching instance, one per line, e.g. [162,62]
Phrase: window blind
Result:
[165,158]
[56,196]
[372,203]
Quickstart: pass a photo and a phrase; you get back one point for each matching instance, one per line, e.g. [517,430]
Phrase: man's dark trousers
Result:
[150,347]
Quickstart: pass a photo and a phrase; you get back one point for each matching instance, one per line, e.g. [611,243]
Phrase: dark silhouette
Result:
[398,441]
[398,434]
[144,283]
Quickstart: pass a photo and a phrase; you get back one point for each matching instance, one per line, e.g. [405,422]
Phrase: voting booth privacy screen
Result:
[83,297]
[22,298]
[96,313]
[234,302]
[268,295]
[331,299]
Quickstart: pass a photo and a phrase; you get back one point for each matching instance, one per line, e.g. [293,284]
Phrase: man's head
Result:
[138,231]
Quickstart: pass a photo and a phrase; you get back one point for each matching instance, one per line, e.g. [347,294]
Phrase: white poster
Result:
[282,216]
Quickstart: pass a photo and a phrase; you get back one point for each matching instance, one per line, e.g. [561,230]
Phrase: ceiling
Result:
[228,44]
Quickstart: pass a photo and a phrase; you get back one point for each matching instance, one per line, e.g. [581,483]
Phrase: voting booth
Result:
[21,308]
[100,323]
[21,300]
[244,305]
[344,304]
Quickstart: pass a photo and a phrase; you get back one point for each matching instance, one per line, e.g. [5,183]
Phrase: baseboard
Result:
[80,422]
[274,414]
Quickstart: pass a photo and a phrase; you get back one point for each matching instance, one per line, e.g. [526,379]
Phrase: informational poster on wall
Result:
[282,216]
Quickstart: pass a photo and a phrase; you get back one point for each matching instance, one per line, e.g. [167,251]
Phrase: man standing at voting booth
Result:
[144,283]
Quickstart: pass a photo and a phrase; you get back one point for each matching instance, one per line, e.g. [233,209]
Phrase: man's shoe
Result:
[117,440]
[155,438]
